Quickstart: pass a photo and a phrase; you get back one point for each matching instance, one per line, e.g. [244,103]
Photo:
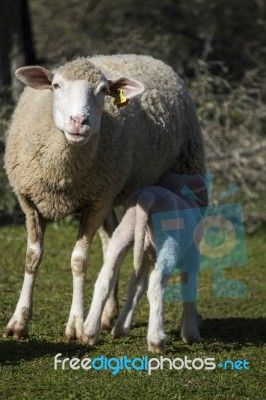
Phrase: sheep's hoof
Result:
[17,333]
[18,325]
[74,329]
[156,348]
[119,331]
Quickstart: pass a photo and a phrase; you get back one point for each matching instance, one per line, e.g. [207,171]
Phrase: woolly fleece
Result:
[136,144]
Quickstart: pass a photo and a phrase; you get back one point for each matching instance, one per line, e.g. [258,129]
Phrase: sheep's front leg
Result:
[18,324]
[74,328]
[79,264]
[111,309]
[156,336]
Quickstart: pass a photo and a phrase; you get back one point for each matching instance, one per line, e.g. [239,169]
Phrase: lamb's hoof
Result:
[190,337]
[107,325]
[107,322]
[199,318]
[89,340]
[156,348]
[74,329]
[18,325]
[119,331]
[109,315]
[91,332]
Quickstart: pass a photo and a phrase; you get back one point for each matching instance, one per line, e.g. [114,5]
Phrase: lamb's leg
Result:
[137,287]
[110,311]
[156,336]
[18,324]
[189,329]
[116,251]
[89,223]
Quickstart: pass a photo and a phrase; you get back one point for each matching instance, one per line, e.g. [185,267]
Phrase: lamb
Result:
[69,150]
[136,227]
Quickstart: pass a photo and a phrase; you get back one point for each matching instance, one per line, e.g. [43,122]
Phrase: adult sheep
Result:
[70,149]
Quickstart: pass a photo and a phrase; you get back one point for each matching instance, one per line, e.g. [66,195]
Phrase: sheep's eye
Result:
[56,86]
[104,90]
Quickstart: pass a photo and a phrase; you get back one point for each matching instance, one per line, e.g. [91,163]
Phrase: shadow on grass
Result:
[217,334]
[13,351]
[241,330]
[231,332]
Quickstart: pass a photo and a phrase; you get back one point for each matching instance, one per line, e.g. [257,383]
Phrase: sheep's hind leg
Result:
[111,309]
[18,324]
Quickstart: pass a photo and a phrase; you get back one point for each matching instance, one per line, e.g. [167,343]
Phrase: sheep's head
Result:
[79,89]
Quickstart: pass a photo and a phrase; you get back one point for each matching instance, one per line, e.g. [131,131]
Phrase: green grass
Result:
[232,328]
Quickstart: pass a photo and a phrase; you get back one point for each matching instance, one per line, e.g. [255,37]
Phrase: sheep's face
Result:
[79,89]
[78,107]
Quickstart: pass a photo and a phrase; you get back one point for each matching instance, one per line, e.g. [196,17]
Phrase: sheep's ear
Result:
[130,87]
[35,77]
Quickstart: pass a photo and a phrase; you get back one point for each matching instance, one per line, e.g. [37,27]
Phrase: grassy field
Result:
[232,328]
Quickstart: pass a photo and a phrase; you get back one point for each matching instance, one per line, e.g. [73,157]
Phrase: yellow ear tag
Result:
[120,100]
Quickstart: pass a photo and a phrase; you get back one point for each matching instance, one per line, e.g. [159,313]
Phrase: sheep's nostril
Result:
[84,121]
[78,121]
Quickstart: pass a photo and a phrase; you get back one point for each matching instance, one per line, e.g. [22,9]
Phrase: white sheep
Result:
[70,149]
[136,227]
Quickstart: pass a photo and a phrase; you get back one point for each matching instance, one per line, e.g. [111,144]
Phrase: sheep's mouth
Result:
[76,137]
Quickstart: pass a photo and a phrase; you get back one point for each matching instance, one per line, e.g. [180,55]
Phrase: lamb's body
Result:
[136,227]
[134,146]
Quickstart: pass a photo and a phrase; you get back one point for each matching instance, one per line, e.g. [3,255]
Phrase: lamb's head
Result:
[79,89]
